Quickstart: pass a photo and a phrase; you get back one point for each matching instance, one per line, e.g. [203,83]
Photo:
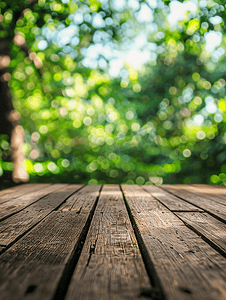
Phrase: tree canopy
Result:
[117,91]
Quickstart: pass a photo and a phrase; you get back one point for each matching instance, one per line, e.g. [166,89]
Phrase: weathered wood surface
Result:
[214,186]
[15,226]
[110,265]
[185,265]
[170,201]
[17,204]
[14,192]
[80,201]
[88,242]
[13,189]
[34,267]
[217,193]
[206,226]
[210,206]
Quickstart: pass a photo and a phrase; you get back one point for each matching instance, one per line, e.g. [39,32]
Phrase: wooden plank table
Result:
[71,241]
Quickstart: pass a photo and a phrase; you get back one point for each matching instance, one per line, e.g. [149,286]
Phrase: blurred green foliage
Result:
[163,122]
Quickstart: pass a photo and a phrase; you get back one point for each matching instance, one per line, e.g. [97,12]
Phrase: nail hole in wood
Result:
[185,290]
[30,289]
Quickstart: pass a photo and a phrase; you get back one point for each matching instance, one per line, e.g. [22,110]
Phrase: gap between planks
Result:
[215,194]
[39,264]
[66,208]
[17,204]
[16,226]
[180,257]
[15,192]
[46,270]
[110,265]
[215,209]
[212,230]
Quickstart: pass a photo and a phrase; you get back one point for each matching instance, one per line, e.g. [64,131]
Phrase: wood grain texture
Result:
[170,201]
[208,227]
[215,208]
[217,193]
[32,268]
[80,201]
[203,185]
[13,189]
[110,265]
[17,204]
[15,226]
[18,191]
[186,266]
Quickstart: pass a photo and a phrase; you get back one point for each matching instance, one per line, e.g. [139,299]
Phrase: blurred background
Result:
[112,91]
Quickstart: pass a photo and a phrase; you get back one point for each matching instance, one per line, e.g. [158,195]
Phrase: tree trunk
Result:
[9,118]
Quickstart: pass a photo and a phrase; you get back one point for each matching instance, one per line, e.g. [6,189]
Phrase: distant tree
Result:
[9,118]
[20,23]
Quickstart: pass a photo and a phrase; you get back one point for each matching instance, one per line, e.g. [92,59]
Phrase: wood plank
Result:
[17,204]
[213,193]
[110,265]
[33,267]
[13,189]
[208,227]
[209,185]
[170,201]
[19,190]
[15,226]
[214,208]
[186,267]
[76,201]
